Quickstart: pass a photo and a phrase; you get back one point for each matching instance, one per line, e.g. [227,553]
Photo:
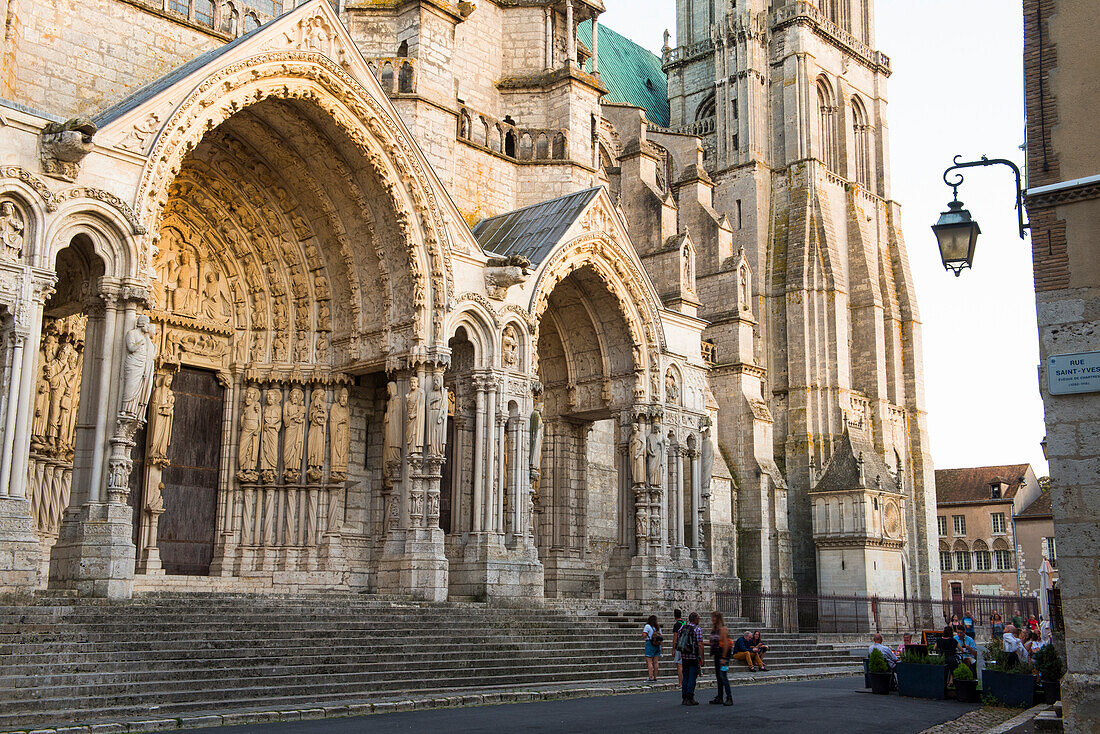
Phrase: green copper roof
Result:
[631,74]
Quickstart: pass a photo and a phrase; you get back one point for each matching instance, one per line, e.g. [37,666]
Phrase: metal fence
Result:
[867,614]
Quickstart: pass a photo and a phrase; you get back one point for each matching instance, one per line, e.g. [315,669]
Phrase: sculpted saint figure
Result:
[391,447]
[536,429]
[637,455]
[69,398]
[269,435]
[655,450]
[249,447]
[414,416]
[510,350]
[56,373]
[160,428]
[137,369]
[215,304]
[294,432]
[339,433]
[186,286]
[315,449]
[437,418]
[11,231]
[706,456]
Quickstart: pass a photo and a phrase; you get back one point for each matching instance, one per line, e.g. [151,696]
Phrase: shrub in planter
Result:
[922,676]
[1010,685]
[1050,667]
[878,673]
[966,685]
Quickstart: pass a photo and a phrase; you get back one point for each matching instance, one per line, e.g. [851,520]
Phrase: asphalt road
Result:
[814,707]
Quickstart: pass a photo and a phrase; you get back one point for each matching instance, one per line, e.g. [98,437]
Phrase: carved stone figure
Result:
[654,451]
[249,443]
[672,390]
[745,295]
[294,433]
[160,424]
[641,524]
[437,419]
[215,302]
[637,455]
[536,428]
[414,416]
[269,436]
[64,145]
[185,296]
[501,273]
[56,379]
[137,369]
[706,458]
[509,348]
[391,447]
[315,446]
[71,373]
[11,232]
[339,434]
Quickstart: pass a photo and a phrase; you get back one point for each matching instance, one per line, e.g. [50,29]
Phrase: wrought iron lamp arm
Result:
[957,181]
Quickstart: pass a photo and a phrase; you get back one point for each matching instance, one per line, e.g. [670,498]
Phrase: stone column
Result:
[570,35]
[548,53]
[502,483]
[678,477]
[489,492]
[696,500]
[458,459]
[595,46]
[479,458]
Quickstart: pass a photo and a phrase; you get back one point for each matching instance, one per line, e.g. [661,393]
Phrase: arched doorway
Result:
[587,367]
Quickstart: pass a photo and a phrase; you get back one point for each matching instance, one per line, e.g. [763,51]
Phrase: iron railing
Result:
[867,614]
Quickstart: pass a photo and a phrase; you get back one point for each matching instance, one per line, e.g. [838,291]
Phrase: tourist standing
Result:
[653,640]
[968,623]
[677,625]
[996,626]
[690,644]
[720,645]
[1017,620]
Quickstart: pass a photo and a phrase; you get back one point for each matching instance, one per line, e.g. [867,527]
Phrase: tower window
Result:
[827,125]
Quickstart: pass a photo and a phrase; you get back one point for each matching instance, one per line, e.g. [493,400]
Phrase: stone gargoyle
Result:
[501,273]
[64,145]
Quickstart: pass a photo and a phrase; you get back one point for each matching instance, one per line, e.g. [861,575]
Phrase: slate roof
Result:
[155,87]
[842,470]
[631,74]
[971,484]
[1038,509]
[533,231]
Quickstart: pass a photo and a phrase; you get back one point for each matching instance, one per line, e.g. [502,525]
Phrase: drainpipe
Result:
[1016,553]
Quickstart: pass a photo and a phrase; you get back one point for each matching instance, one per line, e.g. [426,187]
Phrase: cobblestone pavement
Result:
[975,722]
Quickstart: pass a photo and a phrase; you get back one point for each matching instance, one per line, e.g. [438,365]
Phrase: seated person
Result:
[1012,645]
[906,641]
[967,648]
[891,658]
[948,647]
[742,650]
[759,647]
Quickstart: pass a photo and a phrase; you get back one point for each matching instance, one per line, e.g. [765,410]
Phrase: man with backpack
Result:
[689,643]
[676,627]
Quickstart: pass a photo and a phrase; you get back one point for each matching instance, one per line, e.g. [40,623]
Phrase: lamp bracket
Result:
[957,181]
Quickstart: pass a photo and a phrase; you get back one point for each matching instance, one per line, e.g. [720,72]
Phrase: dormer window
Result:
[995,490]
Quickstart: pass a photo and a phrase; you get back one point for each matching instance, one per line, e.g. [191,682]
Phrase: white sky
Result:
[956,93]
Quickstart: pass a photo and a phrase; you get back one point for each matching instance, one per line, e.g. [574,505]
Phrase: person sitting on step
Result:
[759,647]
[742,651]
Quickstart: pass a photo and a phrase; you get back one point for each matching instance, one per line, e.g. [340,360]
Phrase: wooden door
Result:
[186,532]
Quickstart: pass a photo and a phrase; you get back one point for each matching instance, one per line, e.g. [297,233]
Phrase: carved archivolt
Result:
[312,77]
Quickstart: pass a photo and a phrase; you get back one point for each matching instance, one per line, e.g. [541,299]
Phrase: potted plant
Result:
[1011,685]
[966,685]
[921,676]
[878,673]
[1049,664]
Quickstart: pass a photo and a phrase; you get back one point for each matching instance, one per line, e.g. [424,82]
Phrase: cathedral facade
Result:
[423,298]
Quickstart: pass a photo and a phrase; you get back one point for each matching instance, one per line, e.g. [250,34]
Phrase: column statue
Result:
[637,455]
[437,418]
[11,232]
[706,458]
[160,428]
[414,416]
[294,433]
[137,369]
[315,447]
[536,429]
[391,447]
[655,457]
[339,434]
[249,443]
[269,436]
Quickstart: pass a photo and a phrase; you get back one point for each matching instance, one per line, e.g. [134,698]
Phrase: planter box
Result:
[1052,691]
[922,681]
[880,683]
[1011,689]
[966,691]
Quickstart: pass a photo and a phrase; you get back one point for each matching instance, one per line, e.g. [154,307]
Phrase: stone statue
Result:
[215,304]
[654,452]
[637,455]
[509,348]
[641,525]
[391,447]
[315,447]
[137,369]
[249,444]
[160,424]
[57,379]
[294,433]
[11,232]
[437,419]
[414,416]
[745,296]
[70,397]
[672,390]
[339,429]
[536,428]
[269,436]
[184,297]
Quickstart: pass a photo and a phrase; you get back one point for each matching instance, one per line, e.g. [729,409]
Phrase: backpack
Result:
[685,643]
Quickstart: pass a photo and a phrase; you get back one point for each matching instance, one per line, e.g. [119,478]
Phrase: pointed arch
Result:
[828,150]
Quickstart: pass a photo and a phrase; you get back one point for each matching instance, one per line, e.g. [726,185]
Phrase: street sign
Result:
[1068,374]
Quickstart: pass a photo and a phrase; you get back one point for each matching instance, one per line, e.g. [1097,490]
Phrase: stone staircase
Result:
[68,660]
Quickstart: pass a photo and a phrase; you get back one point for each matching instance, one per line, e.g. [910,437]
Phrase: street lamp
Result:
[956,231]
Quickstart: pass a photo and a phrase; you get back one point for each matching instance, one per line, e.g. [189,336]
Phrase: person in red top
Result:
[1032,623]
